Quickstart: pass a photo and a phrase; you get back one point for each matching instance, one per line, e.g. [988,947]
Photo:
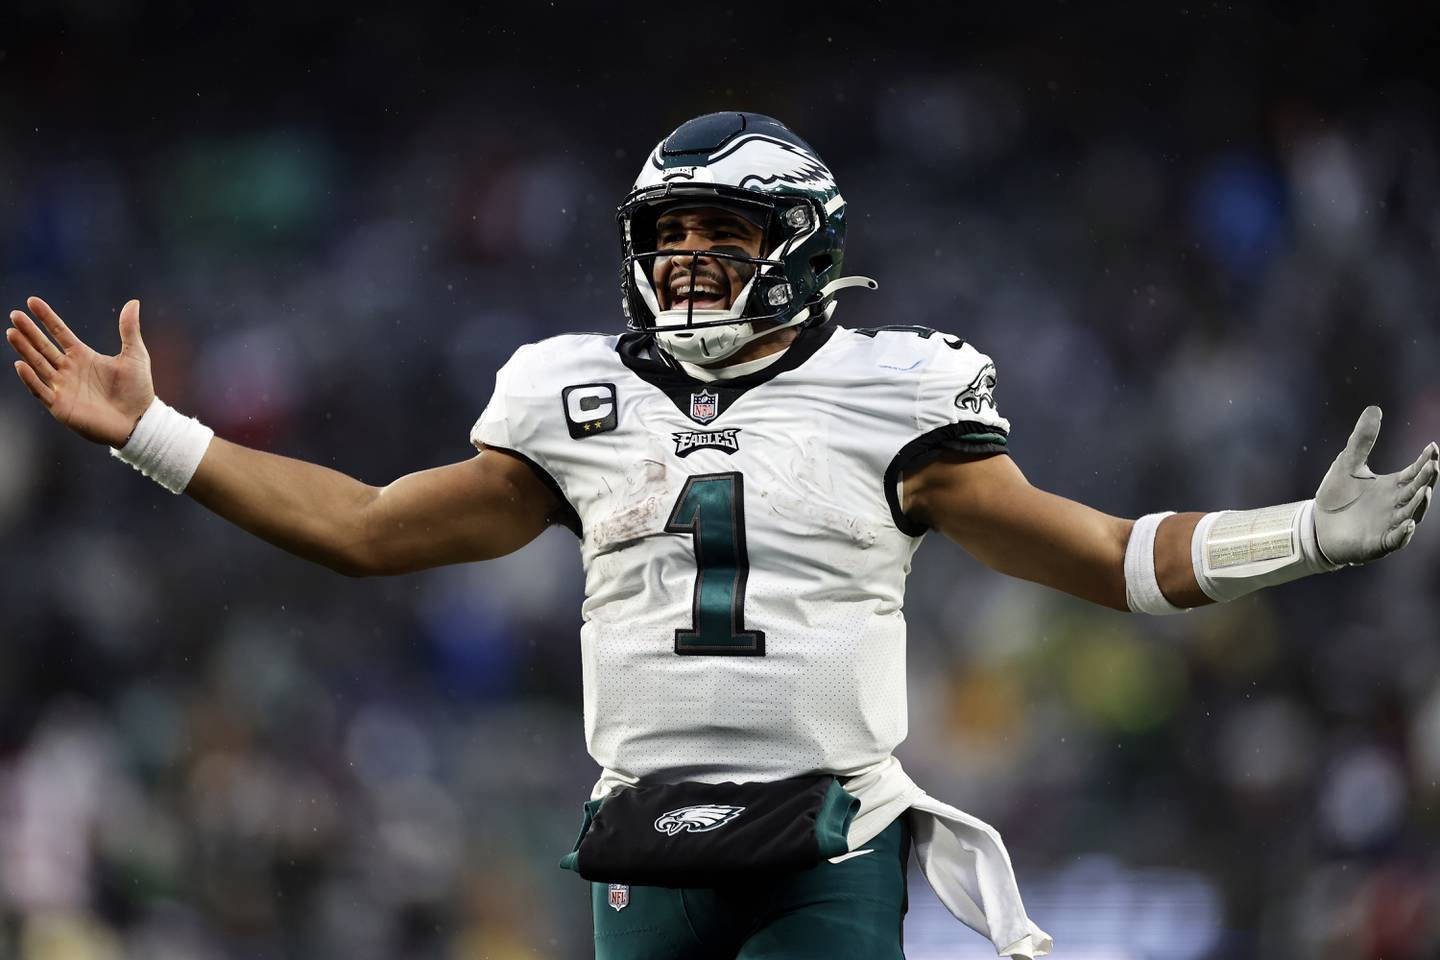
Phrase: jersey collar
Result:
[648,362]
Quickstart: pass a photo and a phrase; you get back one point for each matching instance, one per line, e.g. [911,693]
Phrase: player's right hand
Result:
[99,397]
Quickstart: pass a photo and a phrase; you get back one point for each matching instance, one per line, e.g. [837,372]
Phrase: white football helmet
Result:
[756,167]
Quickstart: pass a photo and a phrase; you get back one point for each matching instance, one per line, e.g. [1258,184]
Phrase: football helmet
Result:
[758,168]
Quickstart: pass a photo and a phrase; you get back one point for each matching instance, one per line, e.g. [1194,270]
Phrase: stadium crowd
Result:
[1190,286]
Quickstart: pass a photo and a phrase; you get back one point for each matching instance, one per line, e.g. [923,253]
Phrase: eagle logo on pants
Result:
[698,818]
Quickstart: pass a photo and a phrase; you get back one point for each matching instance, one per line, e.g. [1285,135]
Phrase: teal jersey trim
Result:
[999,438]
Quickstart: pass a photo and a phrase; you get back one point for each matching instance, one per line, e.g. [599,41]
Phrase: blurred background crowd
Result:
[1196,242]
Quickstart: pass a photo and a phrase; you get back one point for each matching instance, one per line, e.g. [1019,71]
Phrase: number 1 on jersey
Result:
[711,509]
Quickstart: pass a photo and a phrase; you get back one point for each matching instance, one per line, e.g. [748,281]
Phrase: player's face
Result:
[712,282]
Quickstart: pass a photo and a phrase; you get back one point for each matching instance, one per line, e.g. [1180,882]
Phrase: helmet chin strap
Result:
[713,344]
[707,345]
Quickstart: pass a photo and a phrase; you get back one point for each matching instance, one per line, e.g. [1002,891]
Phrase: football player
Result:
[748,482]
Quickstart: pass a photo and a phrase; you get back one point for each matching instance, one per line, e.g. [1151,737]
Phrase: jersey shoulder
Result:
[949,378]
[548,366]
[950,399]
[911,349]
[559,385]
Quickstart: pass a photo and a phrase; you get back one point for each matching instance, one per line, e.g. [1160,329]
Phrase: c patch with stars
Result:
[590,408]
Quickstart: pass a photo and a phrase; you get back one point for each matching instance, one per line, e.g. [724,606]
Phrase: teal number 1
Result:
[711,509]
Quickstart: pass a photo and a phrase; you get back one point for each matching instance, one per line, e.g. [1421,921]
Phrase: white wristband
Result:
[1235,552]
[1142,589]
[166,446]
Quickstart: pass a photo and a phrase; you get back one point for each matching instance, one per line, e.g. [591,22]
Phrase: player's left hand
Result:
[1361,517]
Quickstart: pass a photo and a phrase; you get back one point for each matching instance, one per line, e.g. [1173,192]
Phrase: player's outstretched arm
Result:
[1163,563]
[986,505]
[477,509]
[484,507]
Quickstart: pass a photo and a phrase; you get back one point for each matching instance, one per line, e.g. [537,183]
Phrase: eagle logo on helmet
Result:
[750,162]
[698,818]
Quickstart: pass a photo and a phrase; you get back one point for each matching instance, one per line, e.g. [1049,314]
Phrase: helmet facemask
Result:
[742,162]
[763,303]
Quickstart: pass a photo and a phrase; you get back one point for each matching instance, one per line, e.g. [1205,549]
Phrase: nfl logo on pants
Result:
[619,896]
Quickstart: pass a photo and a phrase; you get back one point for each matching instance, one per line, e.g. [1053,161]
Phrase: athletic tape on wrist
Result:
[166,446]
[1235,552]
[1142,589]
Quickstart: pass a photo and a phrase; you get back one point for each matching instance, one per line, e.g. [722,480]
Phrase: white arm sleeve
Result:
[1142,589]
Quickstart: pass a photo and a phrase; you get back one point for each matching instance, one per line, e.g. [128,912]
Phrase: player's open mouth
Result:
[705,295]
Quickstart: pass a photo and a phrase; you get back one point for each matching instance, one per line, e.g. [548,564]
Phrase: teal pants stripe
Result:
[850,910]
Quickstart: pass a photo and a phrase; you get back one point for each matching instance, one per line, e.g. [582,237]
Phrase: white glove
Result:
[1360,517]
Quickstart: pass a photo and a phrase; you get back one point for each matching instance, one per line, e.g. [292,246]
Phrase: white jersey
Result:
[745,554]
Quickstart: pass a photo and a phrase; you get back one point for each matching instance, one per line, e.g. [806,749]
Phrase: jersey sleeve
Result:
[503,423]
[954,410]
[955,401]
[515,421]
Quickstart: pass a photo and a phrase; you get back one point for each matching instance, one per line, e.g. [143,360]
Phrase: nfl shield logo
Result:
[704,406]
[619,896]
